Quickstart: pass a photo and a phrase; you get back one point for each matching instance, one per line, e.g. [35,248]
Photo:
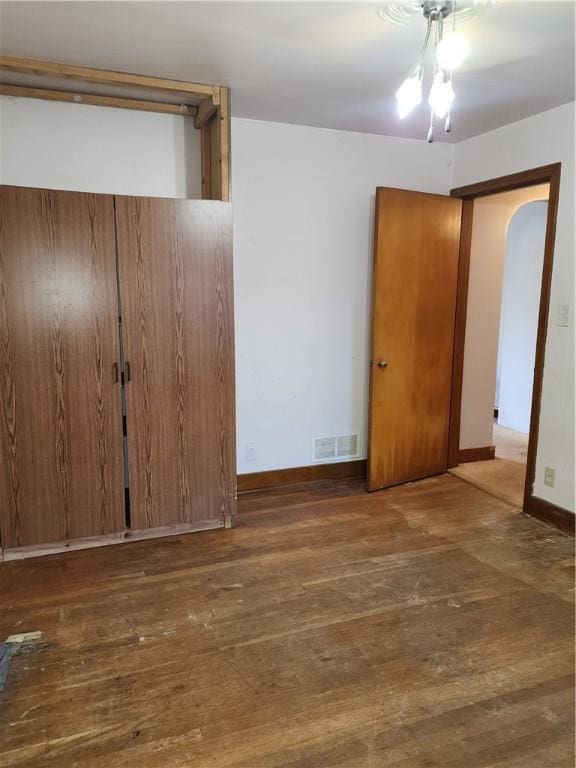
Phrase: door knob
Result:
[382,363]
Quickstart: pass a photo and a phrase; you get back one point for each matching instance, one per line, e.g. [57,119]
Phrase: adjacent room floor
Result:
[510,444]
[503,476]
[427,625]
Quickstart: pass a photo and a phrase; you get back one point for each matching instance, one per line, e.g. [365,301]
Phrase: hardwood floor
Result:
[426,625]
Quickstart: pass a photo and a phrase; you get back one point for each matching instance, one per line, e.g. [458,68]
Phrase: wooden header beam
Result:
[211,116]
[104,77]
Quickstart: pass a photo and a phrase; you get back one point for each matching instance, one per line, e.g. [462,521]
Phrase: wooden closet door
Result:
[61,474]
[175,260]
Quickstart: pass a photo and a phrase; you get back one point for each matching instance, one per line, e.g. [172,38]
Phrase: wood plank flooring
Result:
[426,625]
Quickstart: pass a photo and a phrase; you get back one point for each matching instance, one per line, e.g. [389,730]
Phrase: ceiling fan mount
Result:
[434,9]
[404,11]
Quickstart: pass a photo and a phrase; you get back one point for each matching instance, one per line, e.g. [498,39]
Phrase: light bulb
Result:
[441,95]
[451,51]
[409,95]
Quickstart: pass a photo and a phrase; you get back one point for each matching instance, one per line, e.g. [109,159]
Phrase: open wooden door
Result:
[416,247]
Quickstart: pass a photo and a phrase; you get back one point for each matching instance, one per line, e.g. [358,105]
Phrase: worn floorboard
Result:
[427,625]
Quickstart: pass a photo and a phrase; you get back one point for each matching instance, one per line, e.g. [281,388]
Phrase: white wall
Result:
[492,215]
[303,204]
[519,316]
[303,201]
[536,141]
[98,149]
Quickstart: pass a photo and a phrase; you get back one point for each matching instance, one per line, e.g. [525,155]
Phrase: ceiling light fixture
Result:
[450,50]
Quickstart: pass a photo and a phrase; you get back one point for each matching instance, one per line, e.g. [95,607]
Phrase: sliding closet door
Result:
[175,260]
[60,422]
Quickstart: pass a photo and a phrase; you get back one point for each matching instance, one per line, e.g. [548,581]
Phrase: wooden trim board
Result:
[122,537]
[466,455]
[279,478]
[548,513]
[215,149]
[460,333]
[224,131]
[541,175]
[204,113]
[41,67]
[543,311]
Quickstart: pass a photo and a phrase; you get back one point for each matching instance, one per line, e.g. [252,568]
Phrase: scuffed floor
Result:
[429,625]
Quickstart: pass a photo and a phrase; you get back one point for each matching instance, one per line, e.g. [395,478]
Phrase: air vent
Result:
[324,448]
[347,446]
[336,447]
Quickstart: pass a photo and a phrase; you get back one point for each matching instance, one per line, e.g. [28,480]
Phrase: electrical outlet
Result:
[549,476]
[562,315]
[250,451]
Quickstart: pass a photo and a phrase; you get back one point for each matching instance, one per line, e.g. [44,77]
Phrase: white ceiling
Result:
[335,65]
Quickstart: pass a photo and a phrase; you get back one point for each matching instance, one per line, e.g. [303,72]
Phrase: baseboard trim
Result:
[485,453]
[279,478]
[121,537]
[548,513]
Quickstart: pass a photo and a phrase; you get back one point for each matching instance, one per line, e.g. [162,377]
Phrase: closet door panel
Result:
[175,260]
[61,474]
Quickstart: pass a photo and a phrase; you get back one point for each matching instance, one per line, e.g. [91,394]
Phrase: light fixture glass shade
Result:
[451,51]
[409,95]
[441,95]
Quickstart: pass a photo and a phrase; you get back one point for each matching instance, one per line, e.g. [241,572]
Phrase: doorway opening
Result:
[507,243]
[506,259]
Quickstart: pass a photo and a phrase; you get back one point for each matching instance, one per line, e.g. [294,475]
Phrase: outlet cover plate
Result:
[562,315]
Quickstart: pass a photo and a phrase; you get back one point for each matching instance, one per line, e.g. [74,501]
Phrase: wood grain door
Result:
[61,474]
[175,260]
[416,246]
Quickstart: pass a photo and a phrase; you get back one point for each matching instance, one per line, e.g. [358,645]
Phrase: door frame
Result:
[546,174]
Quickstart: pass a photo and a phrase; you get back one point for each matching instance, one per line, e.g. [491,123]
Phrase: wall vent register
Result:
[336,447]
